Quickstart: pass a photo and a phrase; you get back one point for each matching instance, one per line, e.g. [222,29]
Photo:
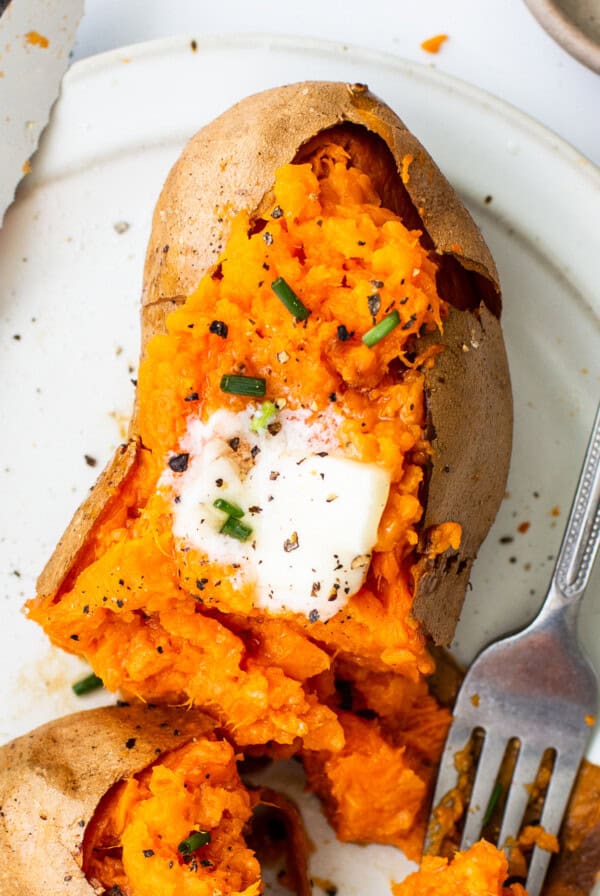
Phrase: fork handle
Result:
[582,535]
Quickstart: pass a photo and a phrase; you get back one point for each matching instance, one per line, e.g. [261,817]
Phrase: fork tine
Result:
[559,790]
[447,778]
[524,776]
[492,753]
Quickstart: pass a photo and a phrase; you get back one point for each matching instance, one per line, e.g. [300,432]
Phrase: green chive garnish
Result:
[195,840]
[289,298]
[236,529]
[253,386]
[382,329]
[492,804]
[263,416]
[228,508]
[88,684]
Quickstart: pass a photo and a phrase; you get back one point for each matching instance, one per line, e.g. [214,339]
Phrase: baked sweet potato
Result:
[131,801]
[383,351]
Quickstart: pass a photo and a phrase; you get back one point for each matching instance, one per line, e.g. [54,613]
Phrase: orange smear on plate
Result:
[36,39]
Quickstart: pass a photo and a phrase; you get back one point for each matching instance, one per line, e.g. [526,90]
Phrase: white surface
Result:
[71,281]
[496,44]
[30,76]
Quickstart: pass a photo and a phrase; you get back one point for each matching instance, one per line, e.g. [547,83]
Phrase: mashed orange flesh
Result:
[166,625]
[133,841]
[376,788]
[479,871]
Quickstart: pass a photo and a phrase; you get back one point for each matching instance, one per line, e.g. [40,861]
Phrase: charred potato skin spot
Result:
[229,166]
[52,779]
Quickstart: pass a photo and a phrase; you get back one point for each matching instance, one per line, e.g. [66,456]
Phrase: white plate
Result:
[68,310]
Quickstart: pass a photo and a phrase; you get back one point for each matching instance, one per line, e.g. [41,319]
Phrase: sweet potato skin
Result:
[52,779]
[229,166]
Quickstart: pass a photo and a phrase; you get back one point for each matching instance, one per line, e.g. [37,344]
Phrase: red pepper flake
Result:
[434,44]
[299,253]
[257,226]
[523,527]
[90,461]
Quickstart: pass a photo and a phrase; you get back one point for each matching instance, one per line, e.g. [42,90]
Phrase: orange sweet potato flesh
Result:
[228,167]
[134,840]
[479,871]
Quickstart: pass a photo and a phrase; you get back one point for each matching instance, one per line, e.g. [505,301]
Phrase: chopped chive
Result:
[236,529]
[195,840]
[492,804]
[263,416]
[87,685]
[228,508]
[253,386]
[382,329]
[289,298]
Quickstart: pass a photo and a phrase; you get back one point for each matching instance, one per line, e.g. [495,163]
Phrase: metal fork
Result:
[536,686]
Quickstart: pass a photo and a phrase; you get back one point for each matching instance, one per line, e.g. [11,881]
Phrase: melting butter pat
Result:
[314,513]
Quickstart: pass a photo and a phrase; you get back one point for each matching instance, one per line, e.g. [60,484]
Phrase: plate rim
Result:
[540,133]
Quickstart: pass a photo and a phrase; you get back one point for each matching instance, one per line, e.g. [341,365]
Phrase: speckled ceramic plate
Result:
[574,24]
[71,257]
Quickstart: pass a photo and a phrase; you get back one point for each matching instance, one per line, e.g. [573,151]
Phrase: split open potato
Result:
[320,443]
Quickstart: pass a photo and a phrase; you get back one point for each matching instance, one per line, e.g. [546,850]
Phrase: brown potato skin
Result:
[229,166]
[52,779]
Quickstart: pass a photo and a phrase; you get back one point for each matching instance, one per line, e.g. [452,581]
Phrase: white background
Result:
[495,44]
